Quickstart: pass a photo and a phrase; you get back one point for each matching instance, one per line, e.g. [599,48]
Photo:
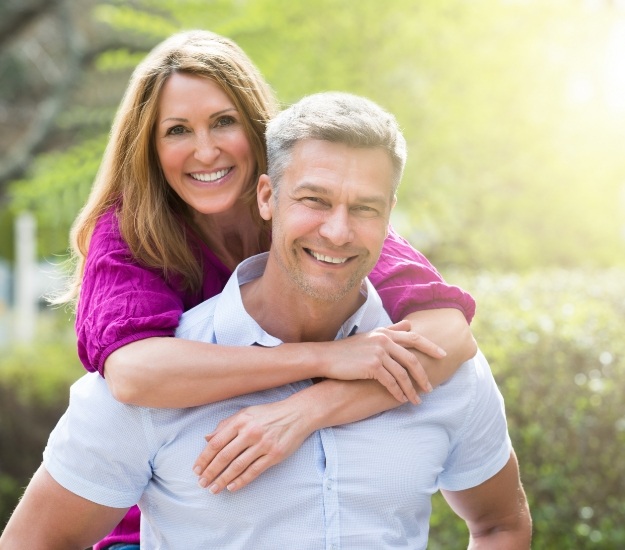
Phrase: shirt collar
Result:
[233,326]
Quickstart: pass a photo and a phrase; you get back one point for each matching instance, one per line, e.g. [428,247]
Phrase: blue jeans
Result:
[122,546]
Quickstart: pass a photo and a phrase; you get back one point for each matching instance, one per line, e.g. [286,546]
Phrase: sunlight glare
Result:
[614,68]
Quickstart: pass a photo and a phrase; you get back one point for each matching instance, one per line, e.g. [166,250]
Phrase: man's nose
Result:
[337,227]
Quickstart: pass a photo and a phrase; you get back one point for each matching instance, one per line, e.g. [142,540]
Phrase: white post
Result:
[25,278]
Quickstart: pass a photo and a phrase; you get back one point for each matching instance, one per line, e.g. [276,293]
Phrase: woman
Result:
[171,213]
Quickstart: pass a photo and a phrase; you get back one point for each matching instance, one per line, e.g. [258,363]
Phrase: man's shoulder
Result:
[198,323]
[198,319]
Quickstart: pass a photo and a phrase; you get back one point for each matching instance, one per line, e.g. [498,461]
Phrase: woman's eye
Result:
[225,121]
[175,131]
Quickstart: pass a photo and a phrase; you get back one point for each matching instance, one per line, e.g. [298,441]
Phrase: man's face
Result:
[330,217]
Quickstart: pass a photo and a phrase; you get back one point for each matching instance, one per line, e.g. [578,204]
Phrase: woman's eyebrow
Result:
[182,119]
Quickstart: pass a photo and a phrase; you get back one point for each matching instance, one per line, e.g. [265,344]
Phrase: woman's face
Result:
[201,144]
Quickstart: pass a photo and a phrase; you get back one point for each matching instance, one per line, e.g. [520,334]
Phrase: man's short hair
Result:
[336,117]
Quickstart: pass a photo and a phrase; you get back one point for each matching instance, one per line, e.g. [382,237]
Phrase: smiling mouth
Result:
[214,176]
[326,259]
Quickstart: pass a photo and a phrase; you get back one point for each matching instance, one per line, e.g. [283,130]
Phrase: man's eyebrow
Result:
[312,187]
[379,199]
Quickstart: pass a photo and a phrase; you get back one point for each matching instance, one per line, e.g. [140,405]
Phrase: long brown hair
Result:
[130,177]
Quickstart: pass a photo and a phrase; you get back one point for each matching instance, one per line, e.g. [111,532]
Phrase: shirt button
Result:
[329,485]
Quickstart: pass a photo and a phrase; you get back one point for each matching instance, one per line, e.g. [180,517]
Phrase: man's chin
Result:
[329,292]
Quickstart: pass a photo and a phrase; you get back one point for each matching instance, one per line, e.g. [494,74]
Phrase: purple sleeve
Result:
[120,300]
[408,282]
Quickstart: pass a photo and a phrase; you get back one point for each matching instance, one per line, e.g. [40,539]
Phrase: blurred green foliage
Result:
[511,111]
[34,382]
[554,340]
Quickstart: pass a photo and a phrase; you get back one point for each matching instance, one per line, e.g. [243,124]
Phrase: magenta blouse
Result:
[122,301]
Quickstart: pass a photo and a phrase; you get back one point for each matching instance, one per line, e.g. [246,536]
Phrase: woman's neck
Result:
[232,236]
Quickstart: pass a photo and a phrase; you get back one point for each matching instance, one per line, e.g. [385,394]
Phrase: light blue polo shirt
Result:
[363,485]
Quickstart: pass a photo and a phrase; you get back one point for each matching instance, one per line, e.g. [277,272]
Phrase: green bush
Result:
[555,344]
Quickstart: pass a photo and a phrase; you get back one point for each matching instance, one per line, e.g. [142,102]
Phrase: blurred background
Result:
[514,112]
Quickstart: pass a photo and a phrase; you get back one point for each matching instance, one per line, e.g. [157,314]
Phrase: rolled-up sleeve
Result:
[120,301]
[407,282]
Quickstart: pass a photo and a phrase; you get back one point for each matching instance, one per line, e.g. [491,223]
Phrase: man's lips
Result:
[325,258]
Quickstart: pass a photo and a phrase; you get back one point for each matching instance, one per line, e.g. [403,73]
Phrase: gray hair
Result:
[336,117]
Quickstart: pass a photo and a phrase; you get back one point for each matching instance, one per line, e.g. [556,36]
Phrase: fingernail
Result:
[203,482]
[231,487]
[442,352]
[197,470]
[214,488]
[429,387]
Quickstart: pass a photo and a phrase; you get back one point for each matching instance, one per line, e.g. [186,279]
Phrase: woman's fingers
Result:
[246,444]
[244,469]
[396,380]
[385,355]
[216,443]
[409,361]
[228,465]
[413,340]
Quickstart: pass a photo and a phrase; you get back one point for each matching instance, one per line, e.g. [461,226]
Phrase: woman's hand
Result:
[258,437]
[385,355]
[244,445]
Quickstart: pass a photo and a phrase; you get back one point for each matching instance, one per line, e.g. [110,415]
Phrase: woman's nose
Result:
[206,148]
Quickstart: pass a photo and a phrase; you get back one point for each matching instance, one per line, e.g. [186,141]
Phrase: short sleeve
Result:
[87,452]
[482,447]
[120,300]
[407,282]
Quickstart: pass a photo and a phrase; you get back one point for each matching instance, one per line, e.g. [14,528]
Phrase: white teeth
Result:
[211,177]
[328,259]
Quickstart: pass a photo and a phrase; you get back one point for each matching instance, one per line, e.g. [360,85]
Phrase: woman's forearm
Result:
[336,402]
[173,372]
[449,329]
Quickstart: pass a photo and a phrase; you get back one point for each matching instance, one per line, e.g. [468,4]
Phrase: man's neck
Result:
[287,313]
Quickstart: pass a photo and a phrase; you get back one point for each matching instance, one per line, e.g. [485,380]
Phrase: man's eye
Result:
[365,210]
[313,201]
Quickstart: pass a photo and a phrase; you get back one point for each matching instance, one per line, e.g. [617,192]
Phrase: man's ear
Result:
[264,196]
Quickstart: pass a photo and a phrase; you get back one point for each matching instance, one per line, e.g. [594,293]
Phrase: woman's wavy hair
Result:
[151,215]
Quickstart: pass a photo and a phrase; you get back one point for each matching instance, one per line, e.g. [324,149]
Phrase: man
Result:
[335,161]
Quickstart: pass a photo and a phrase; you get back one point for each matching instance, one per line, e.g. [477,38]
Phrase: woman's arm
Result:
[174,372]
[449,329]
[246,444]
[127,314]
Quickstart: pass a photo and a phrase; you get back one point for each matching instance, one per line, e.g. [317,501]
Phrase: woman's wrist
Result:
[312,359]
